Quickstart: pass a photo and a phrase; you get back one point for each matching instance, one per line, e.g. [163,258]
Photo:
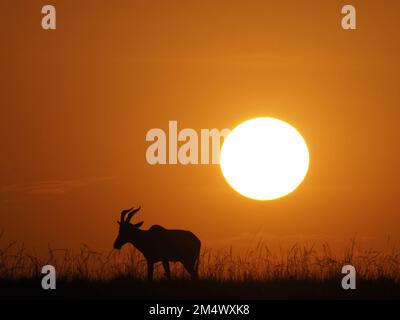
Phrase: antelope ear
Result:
[138,225]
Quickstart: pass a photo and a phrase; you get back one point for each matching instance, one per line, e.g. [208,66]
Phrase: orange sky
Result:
[76,104]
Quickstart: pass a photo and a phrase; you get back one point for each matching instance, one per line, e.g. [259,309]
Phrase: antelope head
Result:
[127,230]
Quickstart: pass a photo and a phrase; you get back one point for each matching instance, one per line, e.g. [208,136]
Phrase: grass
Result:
[299,272]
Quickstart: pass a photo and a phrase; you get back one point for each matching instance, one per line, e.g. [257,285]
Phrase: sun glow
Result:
[264,158]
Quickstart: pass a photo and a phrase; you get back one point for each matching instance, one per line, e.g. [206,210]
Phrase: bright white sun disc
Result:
[264,158]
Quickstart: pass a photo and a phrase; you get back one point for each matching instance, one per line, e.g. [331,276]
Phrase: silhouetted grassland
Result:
[300,272]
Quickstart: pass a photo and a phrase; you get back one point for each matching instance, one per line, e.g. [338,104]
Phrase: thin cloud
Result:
[248,241]
[52,186]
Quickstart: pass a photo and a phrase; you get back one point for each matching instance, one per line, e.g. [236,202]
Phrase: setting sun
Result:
[264,158]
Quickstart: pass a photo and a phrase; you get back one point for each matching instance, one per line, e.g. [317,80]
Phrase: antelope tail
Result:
[196,266]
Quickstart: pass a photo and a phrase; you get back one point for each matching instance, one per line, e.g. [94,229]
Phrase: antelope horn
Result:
[124,213]
[130,215]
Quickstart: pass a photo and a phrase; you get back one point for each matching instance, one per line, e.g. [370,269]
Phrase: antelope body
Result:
[159,244]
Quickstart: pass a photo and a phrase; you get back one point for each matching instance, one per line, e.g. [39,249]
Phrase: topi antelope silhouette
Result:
[160,244]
